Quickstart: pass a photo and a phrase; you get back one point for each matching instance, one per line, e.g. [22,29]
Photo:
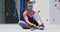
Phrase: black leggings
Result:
[34,22]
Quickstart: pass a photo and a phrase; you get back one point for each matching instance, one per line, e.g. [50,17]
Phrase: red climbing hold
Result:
[58,0]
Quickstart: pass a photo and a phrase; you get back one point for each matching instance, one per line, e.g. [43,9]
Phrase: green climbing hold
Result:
[55,0]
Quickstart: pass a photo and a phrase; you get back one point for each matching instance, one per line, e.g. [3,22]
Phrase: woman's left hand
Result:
[35,26]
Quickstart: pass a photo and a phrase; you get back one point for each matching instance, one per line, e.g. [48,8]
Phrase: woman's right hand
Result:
[35,26]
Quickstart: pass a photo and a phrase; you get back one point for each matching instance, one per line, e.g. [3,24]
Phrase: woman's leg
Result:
[23,25]
[39,21]
[37,18]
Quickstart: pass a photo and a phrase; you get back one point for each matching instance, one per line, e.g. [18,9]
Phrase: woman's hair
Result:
[28,3]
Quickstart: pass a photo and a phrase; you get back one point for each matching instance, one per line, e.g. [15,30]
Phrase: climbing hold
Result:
[55,5]
[38,11]
[46,19]
[58,0]
[55,0]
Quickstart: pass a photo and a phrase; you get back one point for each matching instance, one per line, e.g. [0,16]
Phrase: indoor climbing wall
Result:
[42,7]
[11,15]
[2,11]
[55,11]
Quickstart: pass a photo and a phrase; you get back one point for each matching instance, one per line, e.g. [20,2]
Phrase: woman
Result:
[32,19]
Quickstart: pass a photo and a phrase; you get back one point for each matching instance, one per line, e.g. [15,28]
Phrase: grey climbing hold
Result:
[55,5]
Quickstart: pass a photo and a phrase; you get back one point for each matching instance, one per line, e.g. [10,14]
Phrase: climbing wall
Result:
[11,15]
[55,11]
[42,7]
[2,11]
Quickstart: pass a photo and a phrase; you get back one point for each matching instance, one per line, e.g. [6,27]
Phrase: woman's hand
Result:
[36,27]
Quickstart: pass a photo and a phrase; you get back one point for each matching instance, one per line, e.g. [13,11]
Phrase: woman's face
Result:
[30,5]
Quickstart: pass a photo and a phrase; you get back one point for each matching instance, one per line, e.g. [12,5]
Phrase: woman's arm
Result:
[26,18]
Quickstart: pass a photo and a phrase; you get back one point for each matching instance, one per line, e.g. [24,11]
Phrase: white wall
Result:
[54,12]
[43,7]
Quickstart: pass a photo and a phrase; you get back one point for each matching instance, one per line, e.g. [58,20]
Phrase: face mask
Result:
[30,8]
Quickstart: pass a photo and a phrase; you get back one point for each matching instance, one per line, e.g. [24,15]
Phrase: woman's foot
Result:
[41,27]
[32,28]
